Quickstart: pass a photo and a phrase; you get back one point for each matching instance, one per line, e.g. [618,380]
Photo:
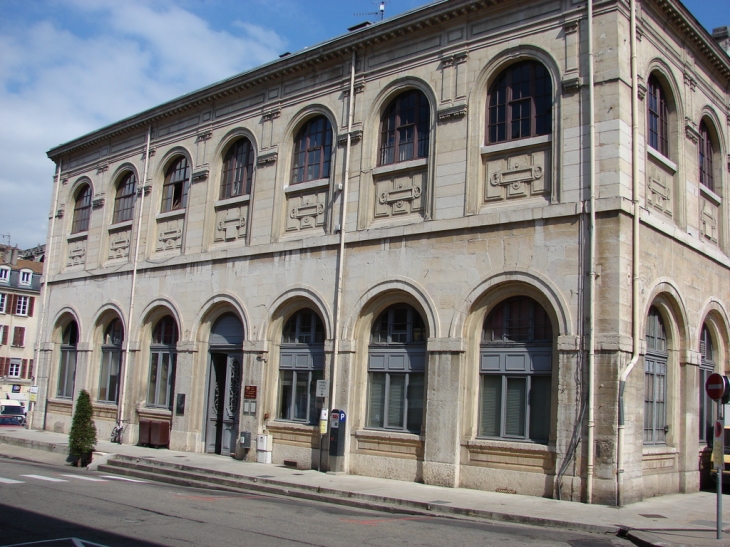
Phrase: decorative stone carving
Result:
[76,252]
[62,209]
[119,243]
[98,201]
[355,135]
[517,176]
[203,136]
[201,173]
[101,168]
[267,158]
[305,211]
[690,130]
[400,195]
[452,112]
[230,223]
[659,195]
[709,221]
[169,233]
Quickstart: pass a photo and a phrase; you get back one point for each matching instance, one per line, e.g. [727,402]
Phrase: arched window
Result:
[707,367]
[312,151]
[706,152]
[655,380]
[175,188]
[111,360]
[396,366]
[67,366]
[404,128]
[237,170]
[657,113]
[301,364]
[516,371]
[124,200]
[520,103]
[82,210]
[163,358]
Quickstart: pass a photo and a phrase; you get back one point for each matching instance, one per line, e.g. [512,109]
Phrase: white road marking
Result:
[42,478]
[120,478]
[80,477]
[10,481]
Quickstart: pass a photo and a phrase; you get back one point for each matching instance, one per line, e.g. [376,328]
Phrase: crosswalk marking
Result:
[42,478]
[80,477]
[10,481]
[120,478]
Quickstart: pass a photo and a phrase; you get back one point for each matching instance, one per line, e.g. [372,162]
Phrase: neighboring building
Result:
[206,283]
[20,285]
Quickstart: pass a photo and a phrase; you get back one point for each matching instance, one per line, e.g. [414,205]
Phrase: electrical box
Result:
[263,443]
[245,440]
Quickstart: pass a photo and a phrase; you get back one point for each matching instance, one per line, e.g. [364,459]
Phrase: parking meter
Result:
[338,434]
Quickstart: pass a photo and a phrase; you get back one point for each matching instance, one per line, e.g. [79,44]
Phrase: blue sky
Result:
[68,67]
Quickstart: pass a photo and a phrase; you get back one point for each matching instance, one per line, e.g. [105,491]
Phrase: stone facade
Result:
[448,234]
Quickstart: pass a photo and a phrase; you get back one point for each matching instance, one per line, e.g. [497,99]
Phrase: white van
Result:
[12,408]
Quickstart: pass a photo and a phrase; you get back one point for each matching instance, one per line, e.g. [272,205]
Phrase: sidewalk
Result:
[680,519]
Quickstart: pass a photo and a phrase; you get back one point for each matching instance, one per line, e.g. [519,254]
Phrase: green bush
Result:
[82,439]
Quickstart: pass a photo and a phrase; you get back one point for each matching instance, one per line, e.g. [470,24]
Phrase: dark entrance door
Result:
[224,385]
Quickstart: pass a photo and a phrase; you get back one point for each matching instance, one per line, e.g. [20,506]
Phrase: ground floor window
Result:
[655,392]
[67,366]
[162,374]
[109,376]
[707,367]
[396,401]
[297,395]
[515,407]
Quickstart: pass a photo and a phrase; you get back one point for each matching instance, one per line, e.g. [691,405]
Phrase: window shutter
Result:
[30,368]
[3,372]
[24,369]
[18,336]
[3,335]
[31,301]
[13,303]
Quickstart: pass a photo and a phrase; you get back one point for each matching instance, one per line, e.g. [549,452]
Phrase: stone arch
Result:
[212,309]
[716,316]
[222,148]
[290,301]
[156,310]
[62,318]
[665,296]
[105,312]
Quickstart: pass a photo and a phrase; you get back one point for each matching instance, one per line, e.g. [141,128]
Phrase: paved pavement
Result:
[669,521]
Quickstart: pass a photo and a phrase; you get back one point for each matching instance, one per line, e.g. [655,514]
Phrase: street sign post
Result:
[718,389]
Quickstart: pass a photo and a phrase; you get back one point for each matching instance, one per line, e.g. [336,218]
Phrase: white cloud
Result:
[59,83]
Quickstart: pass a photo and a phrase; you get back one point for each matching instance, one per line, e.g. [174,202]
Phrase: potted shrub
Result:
[82,438]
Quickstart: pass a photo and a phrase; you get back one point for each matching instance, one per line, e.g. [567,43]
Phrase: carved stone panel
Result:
[401,194]
[306,210]
[709,220]
[119,242]
[521,175]
[230,223]
[76,252]
[659,188]
[169,233]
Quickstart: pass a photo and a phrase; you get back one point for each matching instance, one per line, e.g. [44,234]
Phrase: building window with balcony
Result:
[396,370]
[312,151]
[163,359]
[404,128]
[82,210]
[175,188]
[520,103]
[125,198]
[237,170]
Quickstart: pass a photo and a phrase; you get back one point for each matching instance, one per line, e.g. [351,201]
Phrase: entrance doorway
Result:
[224,385]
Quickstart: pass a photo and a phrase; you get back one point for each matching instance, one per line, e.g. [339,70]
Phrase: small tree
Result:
[82,439]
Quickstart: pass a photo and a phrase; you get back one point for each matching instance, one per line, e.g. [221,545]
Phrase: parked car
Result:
[10,421]
[13,408]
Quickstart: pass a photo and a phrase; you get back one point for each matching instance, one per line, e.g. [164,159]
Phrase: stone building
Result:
[524,292]
[20,283]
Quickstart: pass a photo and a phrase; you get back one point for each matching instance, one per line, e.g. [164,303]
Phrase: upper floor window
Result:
[3,302]
[82,210]
[520,103]
[657,116]
[4,274]
[237,170]
[404,128]
[705,157]
[175,188]
[312,151]
[26,276]
[124,200]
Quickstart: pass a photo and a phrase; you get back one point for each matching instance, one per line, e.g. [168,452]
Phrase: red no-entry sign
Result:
[716,386]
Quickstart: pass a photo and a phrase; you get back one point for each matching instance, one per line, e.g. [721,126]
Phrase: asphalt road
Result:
[42,502]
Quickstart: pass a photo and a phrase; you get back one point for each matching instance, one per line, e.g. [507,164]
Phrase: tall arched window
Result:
[301,364]
[175,188]
[706,152]
[516,371]
[82,210]
[163,358]
[111,360]
[707,367]
[520,103]
[657,113]
[396,367]
[237,170]
[312,151]
[655,380]
[404,128]
[67,366]
[124,200]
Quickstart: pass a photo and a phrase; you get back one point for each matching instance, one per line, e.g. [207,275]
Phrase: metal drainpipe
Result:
[341,251]
[128,337]
[44,285]
[592,275]
[635,261]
